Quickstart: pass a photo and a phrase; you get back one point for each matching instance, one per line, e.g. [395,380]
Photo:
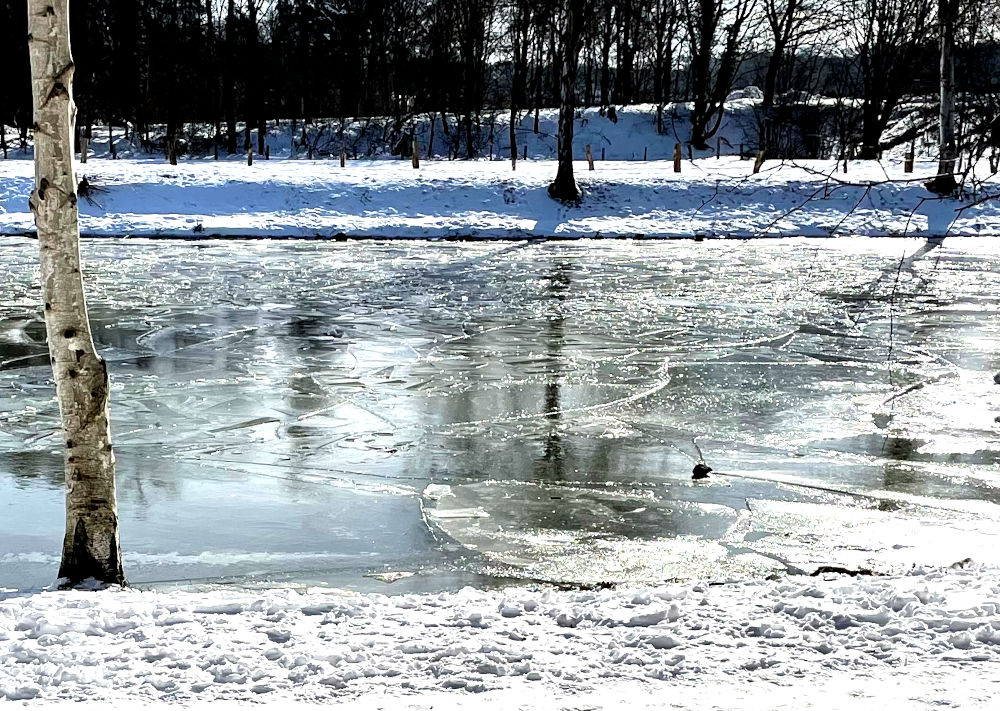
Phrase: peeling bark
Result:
[90,547]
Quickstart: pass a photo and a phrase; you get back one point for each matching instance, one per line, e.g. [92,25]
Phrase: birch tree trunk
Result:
[944,183]
[90,547]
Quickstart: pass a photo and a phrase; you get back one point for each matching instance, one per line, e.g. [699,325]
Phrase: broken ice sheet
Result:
[390,576]
[297,397]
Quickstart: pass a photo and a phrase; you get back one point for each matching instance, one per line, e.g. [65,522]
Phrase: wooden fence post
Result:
[908,162]
[590,157]
[416,154]
[602,153]
[84,147]
[343,157]
[267,151]
[644,153]
[250,156]
[677,157]
[525,152]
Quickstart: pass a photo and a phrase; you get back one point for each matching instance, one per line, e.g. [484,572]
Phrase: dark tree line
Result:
[15,90]
[236,64]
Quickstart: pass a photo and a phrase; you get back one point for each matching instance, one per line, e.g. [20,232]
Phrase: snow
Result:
[297,198]
[631,136]
[625,196]
[931,637]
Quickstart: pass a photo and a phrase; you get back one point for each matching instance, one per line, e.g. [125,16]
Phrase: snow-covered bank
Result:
[927,639]
[630,135]
[486,199]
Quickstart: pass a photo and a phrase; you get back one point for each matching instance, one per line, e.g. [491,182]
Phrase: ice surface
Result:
[279,408]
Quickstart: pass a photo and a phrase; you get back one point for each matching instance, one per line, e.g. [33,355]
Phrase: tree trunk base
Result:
[566,191]
[80,565]
[942,185]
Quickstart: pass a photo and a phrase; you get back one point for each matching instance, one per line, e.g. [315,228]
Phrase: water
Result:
[281,408]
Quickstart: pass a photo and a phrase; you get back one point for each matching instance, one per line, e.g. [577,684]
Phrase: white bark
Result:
[91,546]
[947,148]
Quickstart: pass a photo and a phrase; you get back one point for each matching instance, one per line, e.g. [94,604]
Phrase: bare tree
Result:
[977,39]
[608,20]
[885,36]
[91,546]
[473,20]
[718,36]
[564,187]
[665,22]
[789,23]
[228,78]
[520,25]
[944,182]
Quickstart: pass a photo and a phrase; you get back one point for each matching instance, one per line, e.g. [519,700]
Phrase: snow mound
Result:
[751,93]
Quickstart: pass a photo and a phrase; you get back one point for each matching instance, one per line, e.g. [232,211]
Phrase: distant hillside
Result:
[625,133]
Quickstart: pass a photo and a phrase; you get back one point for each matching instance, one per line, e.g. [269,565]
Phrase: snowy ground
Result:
[928,639]
[298,198]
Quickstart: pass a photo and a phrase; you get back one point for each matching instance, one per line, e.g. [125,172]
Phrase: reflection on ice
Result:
[279,408]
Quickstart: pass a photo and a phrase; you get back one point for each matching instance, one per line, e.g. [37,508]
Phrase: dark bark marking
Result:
[58,89]
[84,565]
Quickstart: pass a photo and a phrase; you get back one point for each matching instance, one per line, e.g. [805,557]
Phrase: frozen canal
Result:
[469,411]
